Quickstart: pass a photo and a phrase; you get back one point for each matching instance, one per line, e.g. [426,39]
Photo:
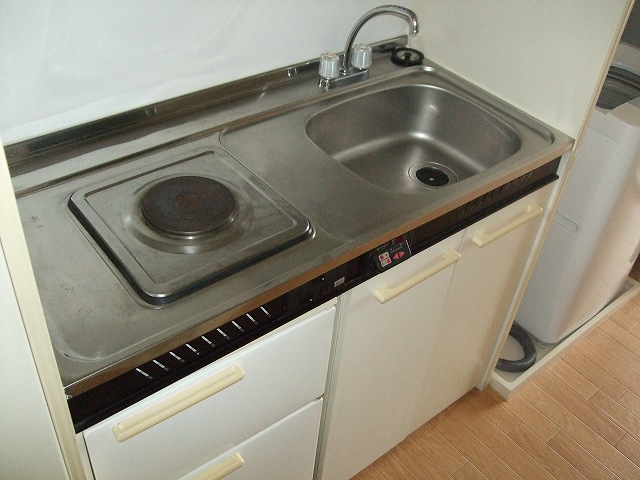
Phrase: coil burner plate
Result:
[188,206]
[194,216]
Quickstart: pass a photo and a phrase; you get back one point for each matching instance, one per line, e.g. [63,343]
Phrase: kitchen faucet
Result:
[357,68]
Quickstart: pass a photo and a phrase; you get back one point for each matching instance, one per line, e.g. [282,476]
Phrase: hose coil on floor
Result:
[529,357]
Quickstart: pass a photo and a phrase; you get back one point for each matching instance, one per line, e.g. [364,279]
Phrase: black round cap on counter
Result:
[406,57]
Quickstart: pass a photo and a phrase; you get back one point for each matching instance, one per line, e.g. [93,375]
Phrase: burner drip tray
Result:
[188,206]
[196,217]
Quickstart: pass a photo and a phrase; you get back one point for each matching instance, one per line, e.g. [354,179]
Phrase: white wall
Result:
[65,62]
[544,56]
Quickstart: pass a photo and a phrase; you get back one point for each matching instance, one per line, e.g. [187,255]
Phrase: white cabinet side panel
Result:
[28,442]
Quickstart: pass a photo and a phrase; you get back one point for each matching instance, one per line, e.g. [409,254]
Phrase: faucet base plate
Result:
[345,78]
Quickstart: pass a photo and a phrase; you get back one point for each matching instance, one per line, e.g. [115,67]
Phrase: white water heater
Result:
[594,238]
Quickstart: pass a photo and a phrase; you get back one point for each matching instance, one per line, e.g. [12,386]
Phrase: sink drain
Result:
[432,175]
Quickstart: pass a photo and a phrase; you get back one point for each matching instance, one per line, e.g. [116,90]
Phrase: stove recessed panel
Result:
[174,229]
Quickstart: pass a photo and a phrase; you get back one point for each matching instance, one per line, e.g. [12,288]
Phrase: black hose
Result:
[529,357]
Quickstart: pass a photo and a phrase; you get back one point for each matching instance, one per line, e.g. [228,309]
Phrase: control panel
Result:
[391,253]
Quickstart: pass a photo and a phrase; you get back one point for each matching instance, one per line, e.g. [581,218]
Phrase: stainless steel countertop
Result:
[98,327]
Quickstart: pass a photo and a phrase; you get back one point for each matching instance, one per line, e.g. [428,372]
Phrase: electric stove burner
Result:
[188,222]
[188,206]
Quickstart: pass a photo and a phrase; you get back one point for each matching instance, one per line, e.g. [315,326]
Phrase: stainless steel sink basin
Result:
[409,145]
[413,137]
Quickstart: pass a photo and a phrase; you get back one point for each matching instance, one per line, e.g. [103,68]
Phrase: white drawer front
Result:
[284,451]
[281,373]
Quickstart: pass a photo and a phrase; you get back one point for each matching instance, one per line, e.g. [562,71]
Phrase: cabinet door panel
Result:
[279,374]
[283,451]
[493,255]
[381,353]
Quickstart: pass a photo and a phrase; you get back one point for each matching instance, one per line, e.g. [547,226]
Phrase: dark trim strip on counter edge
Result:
[101,402]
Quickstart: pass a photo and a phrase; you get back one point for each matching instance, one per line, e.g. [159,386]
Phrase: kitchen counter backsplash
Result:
[89,63]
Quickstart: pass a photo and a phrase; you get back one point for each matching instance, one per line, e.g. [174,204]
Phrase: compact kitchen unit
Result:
[211,317]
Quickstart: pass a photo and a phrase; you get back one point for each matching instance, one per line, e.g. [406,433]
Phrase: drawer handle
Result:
[176,404]
[222,469]
[384,294]
[483,239]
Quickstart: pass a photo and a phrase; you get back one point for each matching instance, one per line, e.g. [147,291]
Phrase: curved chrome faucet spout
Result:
[408,15]
[334,73]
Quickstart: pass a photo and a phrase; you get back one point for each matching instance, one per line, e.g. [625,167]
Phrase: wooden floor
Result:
[578,419]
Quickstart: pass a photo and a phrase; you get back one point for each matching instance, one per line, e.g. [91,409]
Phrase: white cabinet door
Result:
[493,255]
[380,356]
[178,429]
[284,451]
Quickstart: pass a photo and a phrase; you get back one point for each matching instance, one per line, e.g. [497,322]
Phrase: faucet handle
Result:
[361,56]
[329,65]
